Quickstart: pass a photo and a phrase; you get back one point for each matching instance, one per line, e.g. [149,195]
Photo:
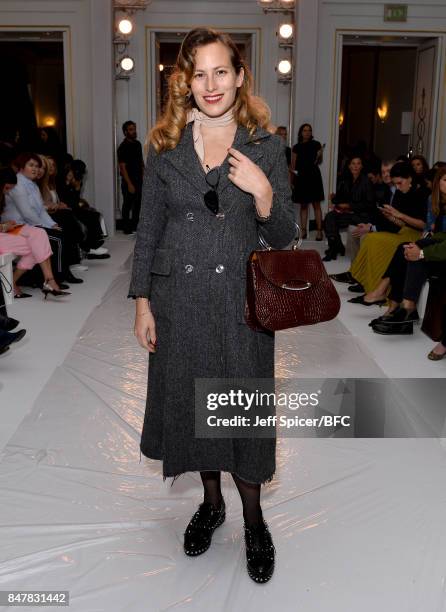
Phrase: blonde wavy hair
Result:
[43,181]
[249,110]
[438,198]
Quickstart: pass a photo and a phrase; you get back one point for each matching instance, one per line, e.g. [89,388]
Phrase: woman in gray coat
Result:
[215,179]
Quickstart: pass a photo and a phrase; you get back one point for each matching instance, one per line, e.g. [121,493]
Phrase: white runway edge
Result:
[358,524]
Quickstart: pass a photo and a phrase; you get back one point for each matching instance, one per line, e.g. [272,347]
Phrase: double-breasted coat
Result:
[191,264]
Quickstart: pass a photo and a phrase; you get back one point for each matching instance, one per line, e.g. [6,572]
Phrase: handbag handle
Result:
[307,285]
[297,238]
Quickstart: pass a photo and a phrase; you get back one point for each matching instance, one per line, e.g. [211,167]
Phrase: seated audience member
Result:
[351,205]
[24,205]
[420,167]
[374,176]
[411,265]
[62,215]
[408,211]
[29,243]
[69,191]
[383,191]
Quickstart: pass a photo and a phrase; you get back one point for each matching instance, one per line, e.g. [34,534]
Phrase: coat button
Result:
[188,268]
[190,216]
[219,269]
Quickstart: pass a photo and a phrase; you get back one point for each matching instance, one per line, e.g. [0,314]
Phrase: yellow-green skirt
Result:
[375,254]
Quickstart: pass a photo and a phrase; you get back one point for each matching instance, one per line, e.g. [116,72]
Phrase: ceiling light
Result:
[161,67]
[125,26]
[127,63]
[284,67]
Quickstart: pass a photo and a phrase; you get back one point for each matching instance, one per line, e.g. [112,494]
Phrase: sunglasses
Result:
[211,196]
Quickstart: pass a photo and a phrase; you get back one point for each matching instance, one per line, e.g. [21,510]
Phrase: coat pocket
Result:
[162,262]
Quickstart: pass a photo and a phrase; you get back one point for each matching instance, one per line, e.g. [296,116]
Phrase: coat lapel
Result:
[186,161]
[185,158]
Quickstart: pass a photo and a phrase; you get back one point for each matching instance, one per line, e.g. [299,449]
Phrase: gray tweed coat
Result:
[191,264]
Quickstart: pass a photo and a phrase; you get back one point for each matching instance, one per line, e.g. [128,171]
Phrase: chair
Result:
[6,260]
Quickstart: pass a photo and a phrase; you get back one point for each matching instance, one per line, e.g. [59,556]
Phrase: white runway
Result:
[358,524]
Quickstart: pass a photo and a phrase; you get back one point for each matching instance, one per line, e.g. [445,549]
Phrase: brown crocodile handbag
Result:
[288,288]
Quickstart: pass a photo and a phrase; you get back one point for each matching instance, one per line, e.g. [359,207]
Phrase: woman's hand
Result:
[412,251]
[361,229]
[145,330]
[8,225]
[390,211]
[248,176]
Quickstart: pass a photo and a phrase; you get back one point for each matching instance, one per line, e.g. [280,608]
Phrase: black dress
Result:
[307,185]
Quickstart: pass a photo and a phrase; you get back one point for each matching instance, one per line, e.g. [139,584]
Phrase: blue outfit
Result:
[432,221]
[24,204]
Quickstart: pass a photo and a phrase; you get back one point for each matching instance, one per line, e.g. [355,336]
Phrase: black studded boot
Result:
[260,552]
[198,534]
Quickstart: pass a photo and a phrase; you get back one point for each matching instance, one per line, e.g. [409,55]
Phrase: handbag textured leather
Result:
[288,288]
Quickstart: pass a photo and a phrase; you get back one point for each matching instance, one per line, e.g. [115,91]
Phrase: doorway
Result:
[388,92]
[33,114]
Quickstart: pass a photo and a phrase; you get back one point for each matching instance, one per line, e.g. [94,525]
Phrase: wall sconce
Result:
[382,112]
[49,121]
[277,6]
[285,70]
[284,67]
[125,26]
[123,29]
[286,31]
[125,66]
[341,119]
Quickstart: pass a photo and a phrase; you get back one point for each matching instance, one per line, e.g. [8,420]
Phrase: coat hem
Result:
[206,468]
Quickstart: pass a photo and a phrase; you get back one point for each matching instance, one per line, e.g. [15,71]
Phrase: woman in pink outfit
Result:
[30,243]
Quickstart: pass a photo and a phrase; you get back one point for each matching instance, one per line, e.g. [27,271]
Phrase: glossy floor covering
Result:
[358,524]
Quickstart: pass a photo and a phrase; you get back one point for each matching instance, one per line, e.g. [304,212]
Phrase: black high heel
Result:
[198,534]
[359,299]
[46,289]
[260,552]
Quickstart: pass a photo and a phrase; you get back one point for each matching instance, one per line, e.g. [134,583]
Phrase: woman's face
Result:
[442,185]
[307,133]
[69,177]
[355,166]
[214,81]
[417,166]
[31,169]
[402,184]
[40,173]
[51,167]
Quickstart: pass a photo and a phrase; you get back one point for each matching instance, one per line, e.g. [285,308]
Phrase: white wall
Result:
[319,23]
[89,93]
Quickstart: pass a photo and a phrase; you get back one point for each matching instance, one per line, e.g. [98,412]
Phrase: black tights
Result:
[249,493]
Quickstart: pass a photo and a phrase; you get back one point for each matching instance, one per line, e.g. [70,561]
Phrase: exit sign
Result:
[395,12]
